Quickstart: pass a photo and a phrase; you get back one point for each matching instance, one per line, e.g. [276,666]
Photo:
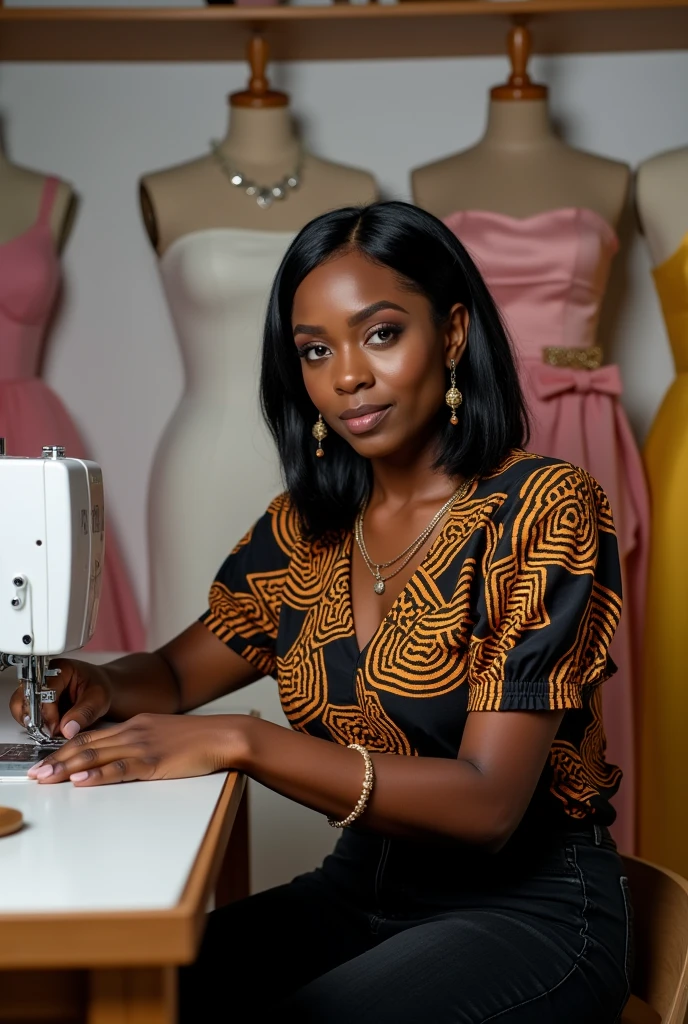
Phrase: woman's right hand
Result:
[192,669]
[84,694]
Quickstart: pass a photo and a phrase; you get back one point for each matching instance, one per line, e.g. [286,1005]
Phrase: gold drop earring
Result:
[319,432]
[453,397]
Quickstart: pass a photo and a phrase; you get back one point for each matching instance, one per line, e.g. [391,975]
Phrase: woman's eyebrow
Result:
[363,314]
[354,320]
[308,329]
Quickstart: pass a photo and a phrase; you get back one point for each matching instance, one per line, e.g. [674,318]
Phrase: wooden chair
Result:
[660,977]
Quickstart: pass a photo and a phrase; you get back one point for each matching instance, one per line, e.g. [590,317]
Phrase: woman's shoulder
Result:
[527,480]
[279,527]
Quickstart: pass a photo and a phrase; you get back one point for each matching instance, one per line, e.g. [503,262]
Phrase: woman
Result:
[436,605]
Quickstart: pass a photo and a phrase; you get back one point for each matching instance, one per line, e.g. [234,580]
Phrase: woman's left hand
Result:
[144,748]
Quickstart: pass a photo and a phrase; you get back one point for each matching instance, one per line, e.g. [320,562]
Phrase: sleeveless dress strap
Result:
[50,188]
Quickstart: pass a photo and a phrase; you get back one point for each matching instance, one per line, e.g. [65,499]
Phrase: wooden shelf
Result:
[420,28]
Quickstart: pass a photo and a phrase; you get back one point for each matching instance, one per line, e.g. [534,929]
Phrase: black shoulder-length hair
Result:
[430,260]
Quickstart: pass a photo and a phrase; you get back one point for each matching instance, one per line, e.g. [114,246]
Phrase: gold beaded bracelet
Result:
[368,781]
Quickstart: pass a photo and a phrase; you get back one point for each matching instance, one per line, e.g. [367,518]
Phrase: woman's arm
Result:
[478,798]
[188,671]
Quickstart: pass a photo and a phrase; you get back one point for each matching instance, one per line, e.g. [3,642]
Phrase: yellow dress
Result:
[664,700]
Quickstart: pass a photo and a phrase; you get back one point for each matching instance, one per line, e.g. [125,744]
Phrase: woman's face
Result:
[373,360]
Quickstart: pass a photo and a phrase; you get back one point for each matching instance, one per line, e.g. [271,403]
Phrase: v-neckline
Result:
[347,554]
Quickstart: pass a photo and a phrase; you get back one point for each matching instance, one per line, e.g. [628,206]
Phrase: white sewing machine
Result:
[52,523]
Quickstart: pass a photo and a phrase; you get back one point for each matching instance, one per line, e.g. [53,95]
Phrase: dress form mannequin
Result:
[216,469]
[262,144]
[36,214]
[662,202]
[520,167]
[539,218]
[20,198]
[661,195]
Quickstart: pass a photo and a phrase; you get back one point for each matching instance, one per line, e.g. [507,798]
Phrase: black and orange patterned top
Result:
[513,608]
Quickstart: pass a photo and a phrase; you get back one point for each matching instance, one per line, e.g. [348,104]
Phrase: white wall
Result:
[113,356]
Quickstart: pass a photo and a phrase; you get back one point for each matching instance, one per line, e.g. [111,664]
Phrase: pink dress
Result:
[548,274]
[32,415]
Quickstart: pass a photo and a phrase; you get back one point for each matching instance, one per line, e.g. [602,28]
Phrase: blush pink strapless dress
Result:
[32,415]
[548,274]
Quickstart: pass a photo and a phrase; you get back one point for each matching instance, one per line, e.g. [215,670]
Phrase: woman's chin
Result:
[376,446]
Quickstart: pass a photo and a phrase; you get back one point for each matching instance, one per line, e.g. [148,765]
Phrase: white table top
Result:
[120,847]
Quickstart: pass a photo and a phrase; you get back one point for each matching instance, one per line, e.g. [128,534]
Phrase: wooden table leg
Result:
[234,881]
[144,995]
[57,997]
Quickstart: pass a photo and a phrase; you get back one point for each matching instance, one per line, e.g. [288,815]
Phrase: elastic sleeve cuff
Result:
[525,695]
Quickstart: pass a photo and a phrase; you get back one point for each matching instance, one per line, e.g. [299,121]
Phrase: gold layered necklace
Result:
[408,553]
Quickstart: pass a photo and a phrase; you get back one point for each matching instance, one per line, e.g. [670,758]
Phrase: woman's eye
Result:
[313,353]
[385,334]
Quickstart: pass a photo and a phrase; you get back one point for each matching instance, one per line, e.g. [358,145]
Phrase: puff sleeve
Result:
[246,596]
[551,600]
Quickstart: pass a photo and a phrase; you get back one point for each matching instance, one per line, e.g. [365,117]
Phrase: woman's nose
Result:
[352,372]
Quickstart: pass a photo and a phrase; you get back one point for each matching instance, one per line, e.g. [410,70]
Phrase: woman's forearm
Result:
[142,683]
[190,670]
[412,797]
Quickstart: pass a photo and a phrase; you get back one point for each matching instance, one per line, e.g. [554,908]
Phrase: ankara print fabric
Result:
[513,608]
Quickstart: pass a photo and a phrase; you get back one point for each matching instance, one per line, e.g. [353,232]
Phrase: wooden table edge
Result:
[107,938]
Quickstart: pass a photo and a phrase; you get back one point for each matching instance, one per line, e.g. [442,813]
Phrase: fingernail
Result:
[34,768]
[78,777]
[27,721]
[70,729]
[45,772]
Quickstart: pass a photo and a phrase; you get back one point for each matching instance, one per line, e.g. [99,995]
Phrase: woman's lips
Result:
[362,424]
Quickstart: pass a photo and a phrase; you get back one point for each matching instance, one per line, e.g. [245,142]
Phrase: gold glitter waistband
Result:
[573,358]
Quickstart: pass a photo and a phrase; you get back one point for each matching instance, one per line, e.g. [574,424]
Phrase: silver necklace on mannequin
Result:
[409,552]
[265,195]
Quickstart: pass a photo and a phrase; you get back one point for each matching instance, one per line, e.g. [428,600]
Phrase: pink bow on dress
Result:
[550,381]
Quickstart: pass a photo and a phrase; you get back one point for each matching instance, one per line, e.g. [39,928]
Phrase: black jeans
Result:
[411,933]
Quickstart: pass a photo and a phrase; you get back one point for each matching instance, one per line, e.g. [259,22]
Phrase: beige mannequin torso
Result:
[198,196]
[20,200]
[520,168]
[662,202]
[219,252]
